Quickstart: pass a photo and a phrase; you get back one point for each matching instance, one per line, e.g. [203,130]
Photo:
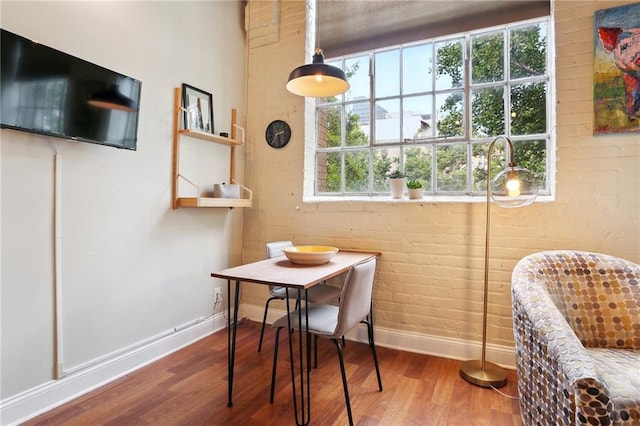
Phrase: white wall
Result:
[132,268]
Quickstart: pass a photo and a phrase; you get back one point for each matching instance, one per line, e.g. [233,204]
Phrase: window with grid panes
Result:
[431,109]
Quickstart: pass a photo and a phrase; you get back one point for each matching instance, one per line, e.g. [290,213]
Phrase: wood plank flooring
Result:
[189,387]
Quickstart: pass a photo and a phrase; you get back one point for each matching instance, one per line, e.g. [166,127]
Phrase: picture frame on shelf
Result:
[197,108]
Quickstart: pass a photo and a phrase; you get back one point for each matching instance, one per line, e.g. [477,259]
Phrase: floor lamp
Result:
[512,187]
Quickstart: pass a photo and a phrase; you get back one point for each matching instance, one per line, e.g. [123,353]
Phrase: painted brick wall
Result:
[429,278]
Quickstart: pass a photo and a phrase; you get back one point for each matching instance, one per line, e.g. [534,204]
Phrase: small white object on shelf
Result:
[226,190]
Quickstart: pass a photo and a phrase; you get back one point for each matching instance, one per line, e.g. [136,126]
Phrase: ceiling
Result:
[348,26]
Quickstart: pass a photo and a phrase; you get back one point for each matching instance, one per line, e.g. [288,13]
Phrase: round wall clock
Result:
[278,133]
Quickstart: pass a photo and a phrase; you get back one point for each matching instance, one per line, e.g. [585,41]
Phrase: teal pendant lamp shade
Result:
[317,79]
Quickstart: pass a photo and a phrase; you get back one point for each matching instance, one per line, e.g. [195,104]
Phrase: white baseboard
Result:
[445,347]
[35,401]
[47,396]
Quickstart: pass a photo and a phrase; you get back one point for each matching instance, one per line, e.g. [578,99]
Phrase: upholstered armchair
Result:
[576,323]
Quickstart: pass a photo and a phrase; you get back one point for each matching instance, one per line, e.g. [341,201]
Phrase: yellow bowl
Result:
[310,255]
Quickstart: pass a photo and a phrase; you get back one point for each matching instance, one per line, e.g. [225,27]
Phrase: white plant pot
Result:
[397,188]
[415,193]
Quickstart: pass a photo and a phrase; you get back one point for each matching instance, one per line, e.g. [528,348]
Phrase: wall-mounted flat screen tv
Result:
[52,93]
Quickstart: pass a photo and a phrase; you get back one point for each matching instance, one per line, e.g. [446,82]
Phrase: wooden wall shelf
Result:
[209,137]
[214,202]
[232,142]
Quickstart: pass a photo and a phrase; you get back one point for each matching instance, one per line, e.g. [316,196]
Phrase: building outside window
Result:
[431,109]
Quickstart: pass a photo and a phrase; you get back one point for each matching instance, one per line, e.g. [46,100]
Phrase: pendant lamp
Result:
[317,79]
[512,187]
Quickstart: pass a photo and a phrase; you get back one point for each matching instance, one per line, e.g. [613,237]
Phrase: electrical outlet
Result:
[217,293]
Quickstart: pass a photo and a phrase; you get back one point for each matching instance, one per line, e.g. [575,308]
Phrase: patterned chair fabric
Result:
[576,323]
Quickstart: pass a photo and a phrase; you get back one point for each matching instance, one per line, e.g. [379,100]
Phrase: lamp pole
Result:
[481,372]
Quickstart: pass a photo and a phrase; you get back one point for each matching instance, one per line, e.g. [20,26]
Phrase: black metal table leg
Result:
[308,369]
[232,327]
[303,415]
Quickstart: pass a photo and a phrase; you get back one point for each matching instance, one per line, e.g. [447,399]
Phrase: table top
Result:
[281,272]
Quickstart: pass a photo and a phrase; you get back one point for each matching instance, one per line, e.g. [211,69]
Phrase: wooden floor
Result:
[189,387]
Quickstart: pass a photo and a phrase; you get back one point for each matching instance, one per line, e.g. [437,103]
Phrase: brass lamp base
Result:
[492,376]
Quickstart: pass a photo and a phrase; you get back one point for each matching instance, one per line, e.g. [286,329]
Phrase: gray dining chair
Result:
[318,294]
[333,322]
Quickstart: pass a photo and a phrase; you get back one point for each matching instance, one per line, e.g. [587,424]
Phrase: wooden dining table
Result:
[279,271]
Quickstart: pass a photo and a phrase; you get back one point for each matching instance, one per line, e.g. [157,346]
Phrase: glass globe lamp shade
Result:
[514,187]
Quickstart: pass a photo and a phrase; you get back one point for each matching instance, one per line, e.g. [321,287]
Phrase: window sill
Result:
[425,200]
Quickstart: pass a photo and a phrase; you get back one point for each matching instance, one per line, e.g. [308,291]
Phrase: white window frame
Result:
[309,189]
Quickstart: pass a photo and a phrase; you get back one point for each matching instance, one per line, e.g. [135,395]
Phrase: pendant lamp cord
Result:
[316,25]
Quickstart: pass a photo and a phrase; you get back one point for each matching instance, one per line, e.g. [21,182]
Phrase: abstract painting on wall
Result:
[616,70]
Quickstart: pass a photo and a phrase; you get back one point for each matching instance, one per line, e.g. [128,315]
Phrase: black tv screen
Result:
[49,92]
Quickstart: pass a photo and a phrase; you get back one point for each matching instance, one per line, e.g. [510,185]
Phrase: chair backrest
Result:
[355,301]
[274,249]
[595,293]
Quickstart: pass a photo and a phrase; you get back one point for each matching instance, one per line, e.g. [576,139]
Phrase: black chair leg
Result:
[375,355]
[315,350]
[275,363]
[264,321]
[344,381]
[372,345]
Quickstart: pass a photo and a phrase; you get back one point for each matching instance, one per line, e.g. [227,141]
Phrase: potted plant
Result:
[396,180]
[415,189]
